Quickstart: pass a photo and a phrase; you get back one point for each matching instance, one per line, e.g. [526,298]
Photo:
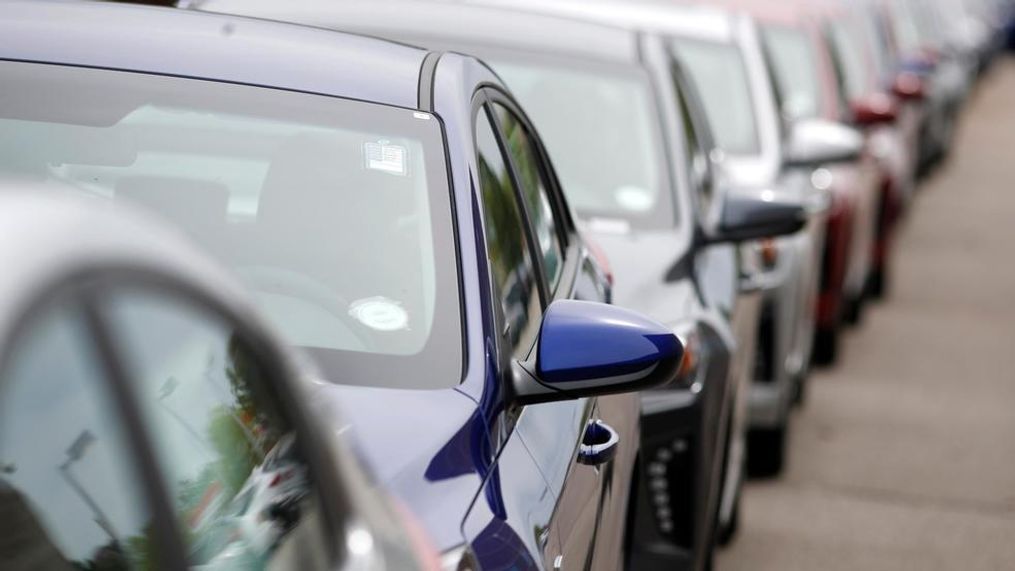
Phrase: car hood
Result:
[650,269]
[428,448]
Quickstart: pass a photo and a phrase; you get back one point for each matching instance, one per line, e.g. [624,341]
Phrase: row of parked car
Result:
[420,284]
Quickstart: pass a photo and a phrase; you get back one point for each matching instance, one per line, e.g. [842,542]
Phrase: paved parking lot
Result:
[903,457]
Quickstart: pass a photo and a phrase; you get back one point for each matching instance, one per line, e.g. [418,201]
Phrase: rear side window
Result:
[511,265]
[535,192]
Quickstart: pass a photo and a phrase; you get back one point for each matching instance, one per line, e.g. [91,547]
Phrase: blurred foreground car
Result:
[667,227]
[139,401]
[396,217]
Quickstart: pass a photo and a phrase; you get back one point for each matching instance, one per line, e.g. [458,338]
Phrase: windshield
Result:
[600,130]
[796,70]
[719,73]
[849,54]
[335,213]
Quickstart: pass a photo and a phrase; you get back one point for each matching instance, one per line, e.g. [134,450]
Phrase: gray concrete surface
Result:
[903,457]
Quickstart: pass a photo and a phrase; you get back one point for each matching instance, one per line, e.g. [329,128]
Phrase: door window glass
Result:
[534,192]
[697,165]
[69,495]
[242,489]
[510,263]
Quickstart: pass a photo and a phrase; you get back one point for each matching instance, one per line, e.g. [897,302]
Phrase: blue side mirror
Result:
[588,349]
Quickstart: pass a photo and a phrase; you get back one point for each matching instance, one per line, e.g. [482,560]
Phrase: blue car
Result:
[395,216]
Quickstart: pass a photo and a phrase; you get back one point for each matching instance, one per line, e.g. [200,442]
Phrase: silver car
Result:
[149,420]
[721,53]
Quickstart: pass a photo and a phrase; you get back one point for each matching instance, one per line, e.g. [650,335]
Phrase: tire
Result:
[826,346]
[800,389]
[766,452]
[726,533]
[853,314]
[877,287]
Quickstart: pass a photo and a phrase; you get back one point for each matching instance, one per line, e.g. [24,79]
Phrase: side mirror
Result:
[875,109]
[909,87]
[814,142]
[748,217]
[590,349]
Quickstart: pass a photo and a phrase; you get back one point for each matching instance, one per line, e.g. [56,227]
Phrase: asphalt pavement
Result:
[903,456]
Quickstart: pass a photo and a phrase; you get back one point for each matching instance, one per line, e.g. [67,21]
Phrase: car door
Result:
[142,428]
[591,488]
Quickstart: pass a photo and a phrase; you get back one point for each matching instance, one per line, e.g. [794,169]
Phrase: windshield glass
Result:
[795,69]
[904,27]
[600,130]
[719,73]
[849,54]
[335,213]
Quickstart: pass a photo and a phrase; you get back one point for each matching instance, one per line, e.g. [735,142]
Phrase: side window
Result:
[699,170]
[237,477]
[535,192]
[70,496]
[839,70]
[510,262]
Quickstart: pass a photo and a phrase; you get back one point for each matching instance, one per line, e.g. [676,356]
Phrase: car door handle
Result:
[599,444]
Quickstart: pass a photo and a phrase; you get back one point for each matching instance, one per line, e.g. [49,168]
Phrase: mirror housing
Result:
[875,109]
[746,218]
[590,349]
[814,142]
[909,86]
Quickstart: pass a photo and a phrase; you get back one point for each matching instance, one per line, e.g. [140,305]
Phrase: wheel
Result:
[766,451]
[728,530]
[877,286]
[800,389]
[854,310]
[826,346]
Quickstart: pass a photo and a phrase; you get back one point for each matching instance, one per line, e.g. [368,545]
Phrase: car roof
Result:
[785,12]
[62,235]
[456,23]
[215,47]
[660,16]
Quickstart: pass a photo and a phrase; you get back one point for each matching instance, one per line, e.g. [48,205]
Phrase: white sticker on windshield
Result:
[383,156]
[380,313]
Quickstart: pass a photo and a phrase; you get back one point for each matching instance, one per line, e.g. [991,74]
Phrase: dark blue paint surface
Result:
[582,341]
